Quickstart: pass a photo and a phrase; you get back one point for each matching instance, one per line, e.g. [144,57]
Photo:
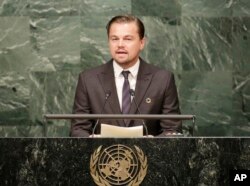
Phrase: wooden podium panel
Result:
[163,161]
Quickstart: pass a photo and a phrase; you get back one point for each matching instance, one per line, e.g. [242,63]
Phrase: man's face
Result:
[125,44]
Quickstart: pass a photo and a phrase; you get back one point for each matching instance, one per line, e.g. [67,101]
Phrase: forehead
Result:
[123,28]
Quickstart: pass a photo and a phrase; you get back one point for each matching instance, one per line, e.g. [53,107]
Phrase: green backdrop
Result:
[45,44]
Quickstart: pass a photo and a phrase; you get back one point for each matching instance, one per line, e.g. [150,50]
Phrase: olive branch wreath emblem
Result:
[102,182]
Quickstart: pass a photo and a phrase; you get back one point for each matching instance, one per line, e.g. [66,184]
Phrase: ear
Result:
[143,42]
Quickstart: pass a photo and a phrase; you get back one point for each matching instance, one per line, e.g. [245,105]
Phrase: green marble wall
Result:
[44,44]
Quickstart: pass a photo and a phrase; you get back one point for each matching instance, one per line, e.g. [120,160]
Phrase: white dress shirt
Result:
[119,78]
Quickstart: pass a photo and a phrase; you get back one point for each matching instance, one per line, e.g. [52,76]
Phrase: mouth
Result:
[121,52]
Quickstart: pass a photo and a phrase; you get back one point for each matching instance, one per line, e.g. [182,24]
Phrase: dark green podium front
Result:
[170,161]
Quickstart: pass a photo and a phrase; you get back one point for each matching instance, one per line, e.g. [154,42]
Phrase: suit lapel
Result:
[143,81]
[107,80]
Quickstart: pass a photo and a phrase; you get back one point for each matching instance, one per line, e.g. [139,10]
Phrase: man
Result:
[107,89]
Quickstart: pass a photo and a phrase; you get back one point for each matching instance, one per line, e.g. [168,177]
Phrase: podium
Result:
[162,161]
[171,160]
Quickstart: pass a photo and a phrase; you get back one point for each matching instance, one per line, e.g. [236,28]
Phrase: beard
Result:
[125,61]
[122,59]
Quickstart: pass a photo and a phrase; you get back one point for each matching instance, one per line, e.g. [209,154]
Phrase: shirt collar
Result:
[133,70]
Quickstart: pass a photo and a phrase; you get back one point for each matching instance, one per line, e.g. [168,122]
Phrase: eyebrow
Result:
[123,36]
[128,36]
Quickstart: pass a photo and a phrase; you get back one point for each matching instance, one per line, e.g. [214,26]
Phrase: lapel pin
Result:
[148,100]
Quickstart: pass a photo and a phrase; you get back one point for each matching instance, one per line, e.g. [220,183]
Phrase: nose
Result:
[120,43]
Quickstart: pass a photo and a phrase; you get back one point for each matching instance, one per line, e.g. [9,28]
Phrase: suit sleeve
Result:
[170,105]
[81,127]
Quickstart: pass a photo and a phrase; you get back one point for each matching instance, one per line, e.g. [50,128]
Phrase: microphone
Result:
[132,93]
[107,95]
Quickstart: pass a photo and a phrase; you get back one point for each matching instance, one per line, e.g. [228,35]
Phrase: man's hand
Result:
[173,134]
[148,136]
[95,136]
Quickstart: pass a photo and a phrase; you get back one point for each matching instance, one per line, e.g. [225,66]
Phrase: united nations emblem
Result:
[118,165]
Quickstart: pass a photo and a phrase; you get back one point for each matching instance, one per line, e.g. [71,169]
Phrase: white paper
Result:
[121,132]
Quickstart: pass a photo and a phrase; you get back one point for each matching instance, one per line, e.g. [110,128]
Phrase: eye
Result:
[114,39]
[128,38]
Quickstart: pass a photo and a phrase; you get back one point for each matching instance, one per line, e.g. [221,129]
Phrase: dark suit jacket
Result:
[152,82]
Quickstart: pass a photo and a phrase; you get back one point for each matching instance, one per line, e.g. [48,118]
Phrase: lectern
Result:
[143,161]
[117,161]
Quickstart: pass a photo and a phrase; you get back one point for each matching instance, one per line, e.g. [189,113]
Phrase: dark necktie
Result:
[126,100]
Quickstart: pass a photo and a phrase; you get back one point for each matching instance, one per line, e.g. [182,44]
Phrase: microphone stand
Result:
[108,93]
[132,93]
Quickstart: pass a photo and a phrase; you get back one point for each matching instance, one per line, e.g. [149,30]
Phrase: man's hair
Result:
[127,19]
